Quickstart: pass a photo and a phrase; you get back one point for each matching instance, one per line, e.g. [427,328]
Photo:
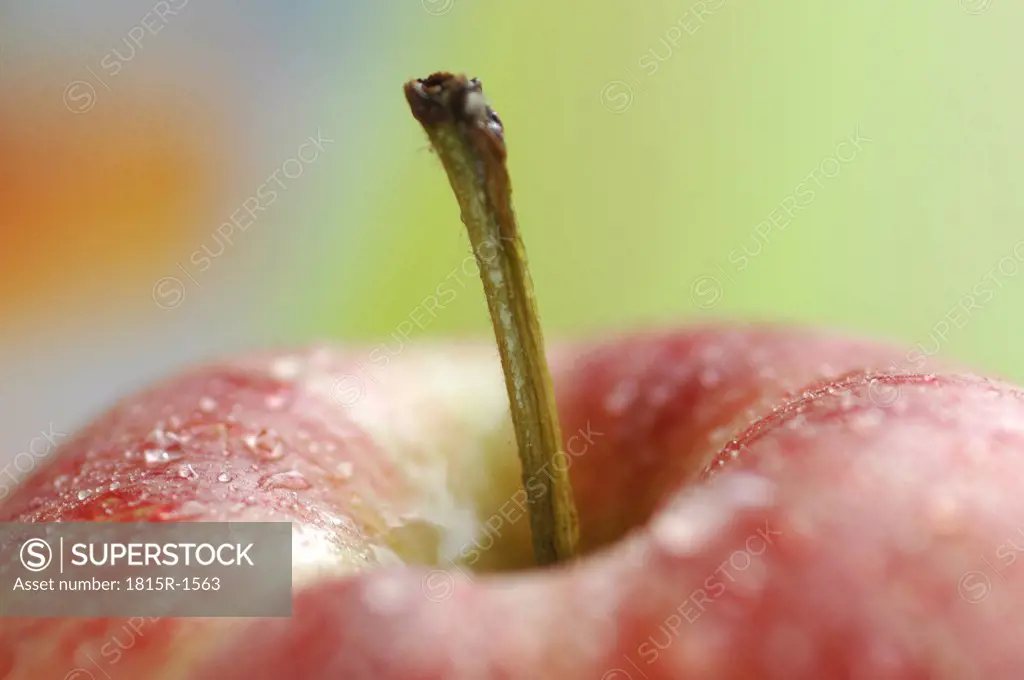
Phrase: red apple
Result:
[754,504]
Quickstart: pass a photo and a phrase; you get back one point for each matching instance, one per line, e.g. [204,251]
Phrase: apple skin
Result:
[855,497]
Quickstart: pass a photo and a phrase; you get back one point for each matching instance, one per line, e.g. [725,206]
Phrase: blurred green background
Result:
[839,164]
[648,142]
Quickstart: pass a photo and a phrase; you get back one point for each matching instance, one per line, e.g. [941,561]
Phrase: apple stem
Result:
[469,139]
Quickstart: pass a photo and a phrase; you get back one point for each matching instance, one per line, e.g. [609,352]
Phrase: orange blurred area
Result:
[96,198]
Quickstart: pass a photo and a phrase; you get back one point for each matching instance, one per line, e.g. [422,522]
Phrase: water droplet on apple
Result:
[224,477]
[159,457]
[293,480]
[110,503]
[265,444]
[157,438]
[336,520]
[207,404]
[83,494]
[187,472]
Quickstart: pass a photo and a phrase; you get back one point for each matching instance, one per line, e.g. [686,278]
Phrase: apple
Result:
[753,503]
[724,503]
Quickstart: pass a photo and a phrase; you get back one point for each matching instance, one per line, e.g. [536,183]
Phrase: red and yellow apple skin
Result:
[755,503]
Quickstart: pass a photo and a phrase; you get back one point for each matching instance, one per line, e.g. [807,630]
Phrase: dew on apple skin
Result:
[157,438]
[83,494]
[110,504]
[186,471]
[752,415]
[211,432]
[720,439]
[265,445]
[330,519]
[224,477]
[160,457]
[207,404]
[699,515]
[292,480]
